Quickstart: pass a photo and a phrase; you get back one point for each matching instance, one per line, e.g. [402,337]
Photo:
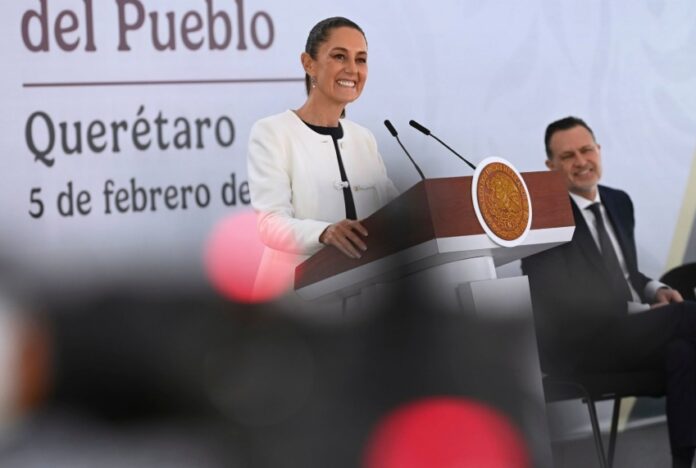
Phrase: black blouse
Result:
[336,133]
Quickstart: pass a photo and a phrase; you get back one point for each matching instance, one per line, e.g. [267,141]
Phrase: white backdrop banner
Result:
[125,122]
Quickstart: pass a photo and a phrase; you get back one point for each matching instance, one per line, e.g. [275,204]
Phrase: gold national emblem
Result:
[502,200]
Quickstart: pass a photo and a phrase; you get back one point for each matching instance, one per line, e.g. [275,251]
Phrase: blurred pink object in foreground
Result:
[232,258]
[446,432]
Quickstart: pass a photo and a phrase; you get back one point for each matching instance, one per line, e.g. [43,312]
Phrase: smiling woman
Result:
[341,59]
[312,173]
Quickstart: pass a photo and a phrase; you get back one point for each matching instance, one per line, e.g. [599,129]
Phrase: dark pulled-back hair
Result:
[565,123]
[320,34]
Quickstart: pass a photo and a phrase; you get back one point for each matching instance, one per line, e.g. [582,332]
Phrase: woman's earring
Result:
[313,80]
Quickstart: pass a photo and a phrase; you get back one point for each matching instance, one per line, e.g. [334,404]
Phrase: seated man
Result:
[594,310]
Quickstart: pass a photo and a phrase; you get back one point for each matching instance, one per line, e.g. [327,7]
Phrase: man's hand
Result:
[345,236]
[664,296]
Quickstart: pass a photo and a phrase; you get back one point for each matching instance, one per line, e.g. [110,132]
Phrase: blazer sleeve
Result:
[270,183]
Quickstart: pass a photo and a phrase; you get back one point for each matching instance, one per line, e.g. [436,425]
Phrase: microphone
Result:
[394,133]
[426,132]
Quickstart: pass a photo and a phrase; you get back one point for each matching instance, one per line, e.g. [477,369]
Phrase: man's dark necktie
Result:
[609,254]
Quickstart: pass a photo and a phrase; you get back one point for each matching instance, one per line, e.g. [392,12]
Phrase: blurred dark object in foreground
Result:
[246,386]
[683,279]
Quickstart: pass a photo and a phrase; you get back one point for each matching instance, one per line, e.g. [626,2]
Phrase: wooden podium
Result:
[431,225]
[429,240]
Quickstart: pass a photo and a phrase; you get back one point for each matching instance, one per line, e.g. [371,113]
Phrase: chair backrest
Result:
[683,279]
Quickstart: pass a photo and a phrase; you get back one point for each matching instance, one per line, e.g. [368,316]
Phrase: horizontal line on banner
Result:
[79,84]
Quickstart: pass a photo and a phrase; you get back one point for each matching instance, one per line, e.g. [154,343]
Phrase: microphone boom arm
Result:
[409,157]
[427,132]
[457,154]
[395,134]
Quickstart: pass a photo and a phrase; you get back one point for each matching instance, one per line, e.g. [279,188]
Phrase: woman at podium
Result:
[313,174]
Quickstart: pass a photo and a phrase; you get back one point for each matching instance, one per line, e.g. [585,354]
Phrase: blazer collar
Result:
[615,213]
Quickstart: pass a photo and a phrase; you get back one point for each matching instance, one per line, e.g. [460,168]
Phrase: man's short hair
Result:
[563,124]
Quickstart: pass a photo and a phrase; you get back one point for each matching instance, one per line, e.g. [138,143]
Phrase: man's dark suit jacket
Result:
[571,289]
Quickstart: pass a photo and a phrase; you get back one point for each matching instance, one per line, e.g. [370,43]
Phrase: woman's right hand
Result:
[346,236]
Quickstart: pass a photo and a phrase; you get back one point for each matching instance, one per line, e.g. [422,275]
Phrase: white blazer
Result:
[295,184]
